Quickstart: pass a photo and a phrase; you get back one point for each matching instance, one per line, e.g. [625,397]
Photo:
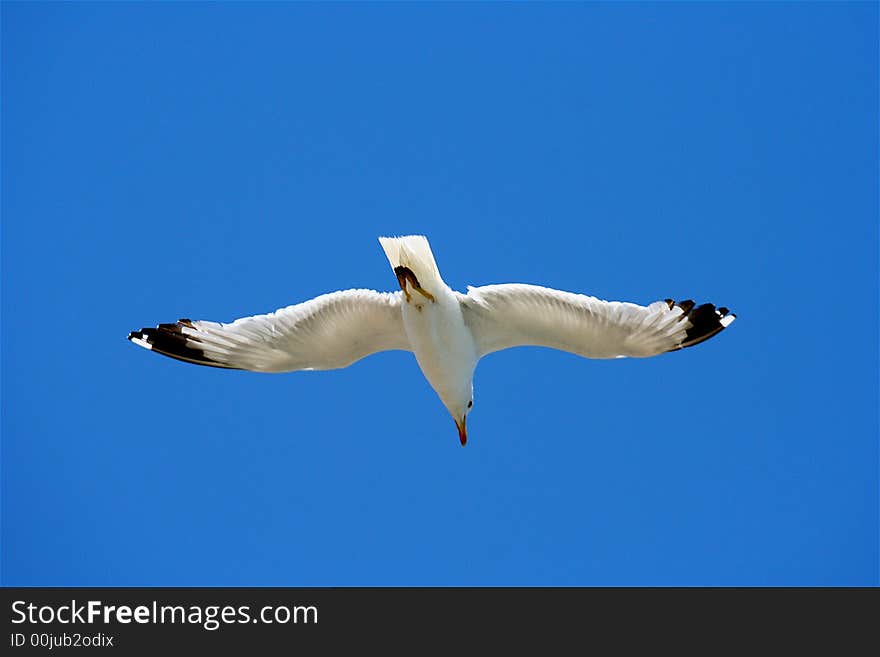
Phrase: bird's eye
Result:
[470,403]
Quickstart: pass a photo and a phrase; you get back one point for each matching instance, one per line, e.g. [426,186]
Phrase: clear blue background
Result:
[214,161]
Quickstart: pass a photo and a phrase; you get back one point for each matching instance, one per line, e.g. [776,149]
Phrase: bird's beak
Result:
[462,430]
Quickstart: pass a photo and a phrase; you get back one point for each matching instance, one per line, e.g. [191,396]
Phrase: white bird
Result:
[448,332]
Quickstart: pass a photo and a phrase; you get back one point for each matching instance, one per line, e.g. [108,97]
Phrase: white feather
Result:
[413,252]
[504,316]
[328,332]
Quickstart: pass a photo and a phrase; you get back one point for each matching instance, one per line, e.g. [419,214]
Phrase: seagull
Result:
[447,331]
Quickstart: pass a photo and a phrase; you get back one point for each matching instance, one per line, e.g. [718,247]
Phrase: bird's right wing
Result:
[502,316]
[327,332]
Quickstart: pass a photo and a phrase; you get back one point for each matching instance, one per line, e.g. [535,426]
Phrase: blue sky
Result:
[214,161]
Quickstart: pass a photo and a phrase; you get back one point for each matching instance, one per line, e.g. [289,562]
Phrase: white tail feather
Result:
[414,252]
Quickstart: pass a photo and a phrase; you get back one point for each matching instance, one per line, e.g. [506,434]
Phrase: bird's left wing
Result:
[510,315]
[328,332]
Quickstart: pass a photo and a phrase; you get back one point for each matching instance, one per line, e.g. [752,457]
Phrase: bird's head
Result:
[459,405]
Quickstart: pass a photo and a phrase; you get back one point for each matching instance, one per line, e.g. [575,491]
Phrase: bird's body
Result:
[442,343]
[448,332]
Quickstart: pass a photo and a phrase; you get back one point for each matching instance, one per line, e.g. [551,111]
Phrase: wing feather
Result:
[510,315]
[328,332]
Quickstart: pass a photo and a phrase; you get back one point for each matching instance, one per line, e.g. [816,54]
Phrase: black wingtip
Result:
[706,321]
[169,340]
